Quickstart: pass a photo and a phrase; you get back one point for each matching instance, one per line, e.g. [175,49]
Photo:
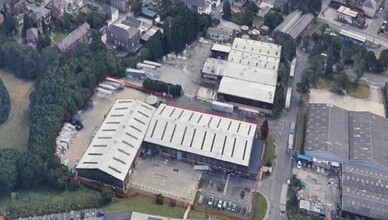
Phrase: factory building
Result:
[116,144]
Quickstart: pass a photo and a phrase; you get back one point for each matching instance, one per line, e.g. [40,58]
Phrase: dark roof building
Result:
[365,189]
[131,21]
[79,36]
[124,36]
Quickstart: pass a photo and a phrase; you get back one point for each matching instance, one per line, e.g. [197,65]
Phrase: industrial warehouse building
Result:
[249,75]
[296,24]
[203,138]
[358,141]
[116,144]
[188,135]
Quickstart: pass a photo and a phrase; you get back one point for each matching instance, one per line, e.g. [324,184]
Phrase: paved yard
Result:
[346,102]
[172,178]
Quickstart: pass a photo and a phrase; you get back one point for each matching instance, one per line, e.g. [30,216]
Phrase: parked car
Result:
[219,204]
[229,206]
[215,203]
[243,211]
[234,206]
[238,209]
[224,205]
[242,194]
[299,165]
[200,199]
[83,214]
[100,213]
[210,202]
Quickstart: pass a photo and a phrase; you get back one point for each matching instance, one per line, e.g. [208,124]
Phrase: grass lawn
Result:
[236,18]
[301,124]
[59,36]
[145,205]
[14,132]
[257,21]
[40,201]
[316,27]
[269,153]
[260,207]
[194,214]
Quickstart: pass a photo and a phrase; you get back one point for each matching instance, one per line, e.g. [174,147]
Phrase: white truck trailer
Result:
[292,68]
[222,107]
[288,98]
[283,200]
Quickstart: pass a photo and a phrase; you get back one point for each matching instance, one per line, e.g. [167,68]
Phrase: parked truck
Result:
[292,68]
[222,107]
[283,200]
[288,98]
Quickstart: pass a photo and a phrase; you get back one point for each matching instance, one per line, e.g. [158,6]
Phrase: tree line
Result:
[5,103]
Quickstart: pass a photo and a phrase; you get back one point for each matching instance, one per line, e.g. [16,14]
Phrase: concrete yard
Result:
[347,102]
[92,119]
[172,178]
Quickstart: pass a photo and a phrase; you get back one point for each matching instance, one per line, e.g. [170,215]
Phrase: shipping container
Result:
[152,63]
[222,107]
[143,66]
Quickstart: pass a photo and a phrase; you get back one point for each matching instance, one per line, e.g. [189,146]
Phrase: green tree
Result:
[303,87]
[136,6]
[247,18]
[273,19]
[5,103]
[227,13]
[288,45]
[159,199]
[342,81]
[27,23]
[10,25]
[43,42]
[384,57]
[264,130]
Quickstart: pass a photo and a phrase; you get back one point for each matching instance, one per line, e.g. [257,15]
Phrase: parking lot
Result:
[321,188]
[231,190]
[169,177]
[76,215]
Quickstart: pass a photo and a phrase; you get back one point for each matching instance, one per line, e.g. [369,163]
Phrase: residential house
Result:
[32,36]
[201,6]
[58,8]
[110,13]
[148,13]
[370,7]
[80,35]
[121,35]
[147,30]
[39,17]
[16,7]
[122,5]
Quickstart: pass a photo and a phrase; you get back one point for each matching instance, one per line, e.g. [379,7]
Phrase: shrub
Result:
[159,199]
[5,103]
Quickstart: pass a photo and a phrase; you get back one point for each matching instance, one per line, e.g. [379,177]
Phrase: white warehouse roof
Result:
[249,90]
[257,47]
[116,143]
[221,48]
[202,134]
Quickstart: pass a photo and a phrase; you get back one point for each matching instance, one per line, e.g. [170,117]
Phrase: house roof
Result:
[295,23]
[370,4]
[131,21]
[202,134]
[58,3]
[364,189]
[32,34]
[73,36]
[116,143]
[122,31]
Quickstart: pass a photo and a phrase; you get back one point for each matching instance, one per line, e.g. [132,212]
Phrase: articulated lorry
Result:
[283,200]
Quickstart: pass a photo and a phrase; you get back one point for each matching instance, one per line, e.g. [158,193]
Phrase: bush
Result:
[269,163]
[159,199]
[172,203]
[267,173]
[160,86]
[5,103]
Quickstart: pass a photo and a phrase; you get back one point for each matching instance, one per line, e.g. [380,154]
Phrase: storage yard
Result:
[92,119]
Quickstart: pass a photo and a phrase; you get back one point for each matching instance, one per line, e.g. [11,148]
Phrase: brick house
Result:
[80,35]
[58,8]
[121,35]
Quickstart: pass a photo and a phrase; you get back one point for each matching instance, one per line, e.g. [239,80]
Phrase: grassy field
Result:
[145,205]
[260,207]
[316,27]
[360,91]
[14,132]
[301,124]
[59,36]
[40,201]
[269,153]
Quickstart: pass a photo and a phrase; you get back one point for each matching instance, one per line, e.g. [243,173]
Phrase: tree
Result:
[136,6]
[43,42]
[227,13]
[272,20]
[384,57]
[264,130]
[247,18]
[303,87]
[10,25]
[27,23]
[5,103]
[288,45]
[159,199]
[342,81]
[370,59]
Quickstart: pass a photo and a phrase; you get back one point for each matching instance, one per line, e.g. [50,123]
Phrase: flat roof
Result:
[347,11]
[221,48]
[257,47]
[116,143]
[249,90]
[213,66]
[300,25]
[254,60]
[202,134]
[352,35]
[251,74]
[364,190]
[289,21]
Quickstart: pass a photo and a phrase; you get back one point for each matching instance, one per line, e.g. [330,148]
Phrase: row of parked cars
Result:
[222,204]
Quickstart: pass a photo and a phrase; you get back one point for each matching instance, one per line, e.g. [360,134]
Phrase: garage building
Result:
[201,138]
[116,144]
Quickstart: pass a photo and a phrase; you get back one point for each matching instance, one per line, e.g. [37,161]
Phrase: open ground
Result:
[346,102]
[14,132]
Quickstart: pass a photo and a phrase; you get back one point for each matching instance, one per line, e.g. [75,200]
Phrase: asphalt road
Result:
[282,168]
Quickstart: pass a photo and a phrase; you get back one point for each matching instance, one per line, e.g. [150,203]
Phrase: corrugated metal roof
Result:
[202,134]
[119,138]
